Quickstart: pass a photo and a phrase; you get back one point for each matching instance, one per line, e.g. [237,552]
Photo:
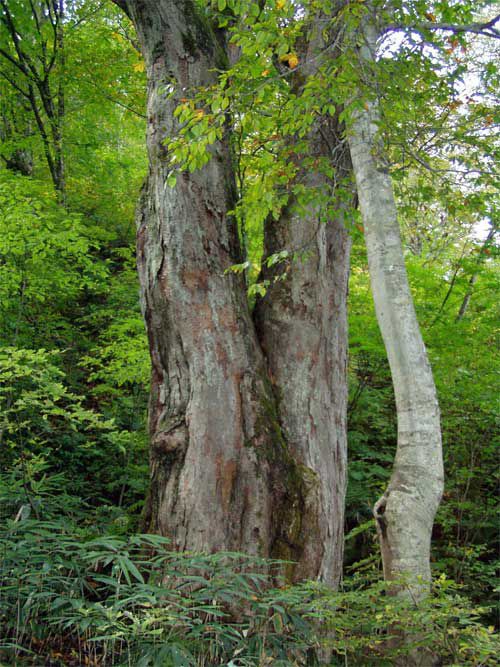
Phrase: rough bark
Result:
[231,466]
[406,511]
[210,486]
[302,324]
[222,473]
[303,328]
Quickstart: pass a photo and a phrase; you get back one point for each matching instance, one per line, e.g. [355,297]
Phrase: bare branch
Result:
[487,29]
[14,84]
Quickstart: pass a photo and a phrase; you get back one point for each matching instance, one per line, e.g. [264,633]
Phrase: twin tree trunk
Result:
[247,426]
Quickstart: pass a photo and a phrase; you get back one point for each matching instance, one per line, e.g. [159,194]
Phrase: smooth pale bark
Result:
[222,473]
[406,511]
[302,325]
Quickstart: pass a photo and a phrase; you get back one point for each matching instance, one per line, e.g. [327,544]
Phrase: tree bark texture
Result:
[406,511]
[230,468]
[302,325]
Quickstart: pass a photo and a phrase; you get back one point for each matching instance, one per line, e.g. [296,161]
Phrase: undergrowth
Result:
[71,596]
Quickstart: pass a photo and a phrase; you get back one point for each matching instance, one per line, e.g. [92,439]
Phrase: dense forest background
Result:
[77,581]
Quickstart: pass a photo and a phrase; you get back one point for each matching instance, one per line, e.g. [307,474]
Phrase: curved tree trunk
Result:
[405,513]
[228,469]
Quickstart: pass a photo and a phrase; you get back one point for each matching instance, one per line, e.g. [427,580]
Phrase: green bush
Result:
[116,600]
[47,429]
[363,625]
[70,596]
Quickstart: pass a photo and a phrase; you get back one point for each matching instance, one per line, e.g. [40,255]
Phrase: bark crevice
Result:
[247,452]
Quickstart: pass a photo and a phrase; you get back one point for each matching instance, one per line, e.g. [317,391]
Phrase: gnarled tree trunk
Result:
[302,325]
[229,470]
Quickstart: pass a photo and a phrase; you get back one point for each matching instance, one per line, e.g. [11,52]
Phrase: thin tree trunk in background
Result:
[473,279]
[406,511]
[60,107]
[466,300]
[223,475]
[33,78]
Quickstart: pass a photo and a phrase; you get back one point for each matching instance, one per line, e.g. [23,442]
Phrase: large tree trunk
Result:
[406,511]
[228,468]
[302,324]
[215,448]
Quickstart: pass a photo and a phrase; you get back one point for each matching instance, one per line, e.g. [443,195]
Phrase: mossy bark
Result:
[302,325]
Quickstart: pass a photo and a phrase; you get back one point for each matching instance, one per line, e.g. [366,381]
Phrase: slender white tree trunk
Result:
[405,513]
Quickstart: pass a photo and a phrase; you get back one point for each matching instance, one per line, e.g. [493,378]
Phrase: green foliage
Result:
[75,364]
[121,358]
[47,263]
[43,423]
[129,600]
[78,587]
[104,126]
[72,596]
[367,624]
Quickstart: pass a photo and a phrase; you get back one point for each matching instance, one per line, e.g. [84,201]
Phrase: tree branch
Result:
[485,29]
[24,60]
[18,64]
[14,84]
[122,4]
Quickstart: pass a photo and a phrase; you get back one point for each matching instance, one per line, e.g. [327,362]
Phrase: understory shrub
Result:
[69,596]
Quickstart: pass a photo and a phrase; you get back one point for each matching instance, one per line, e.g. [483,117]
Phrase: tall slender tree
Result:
[405,513]
[31,62]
